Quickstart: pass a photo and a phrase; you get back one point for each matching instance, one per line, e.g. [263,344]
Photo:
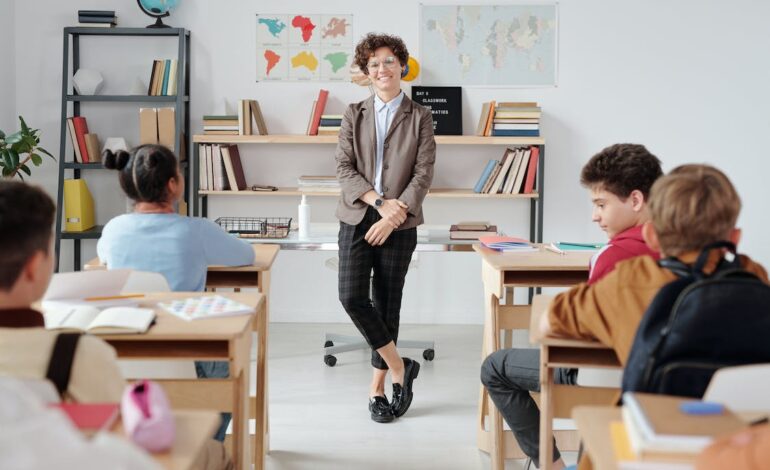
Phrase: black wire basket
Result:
[256,227]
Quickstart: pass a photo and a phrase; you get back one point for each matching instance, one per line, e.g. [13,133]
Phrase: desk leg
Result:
[239,368]
[492,343]
[261,441]
[546,410]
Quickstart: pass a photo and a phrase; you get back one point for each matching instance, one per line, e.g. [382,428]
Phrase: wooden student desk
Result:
[507,269]
[566,353]
[193,431]
[221,339]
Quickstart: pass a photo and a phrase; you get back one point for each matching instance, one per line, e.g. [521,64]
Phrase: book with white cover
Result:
[113,320]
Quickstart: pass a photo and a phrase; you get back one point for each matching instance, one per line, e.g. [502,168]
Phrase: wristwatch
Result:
[378,203]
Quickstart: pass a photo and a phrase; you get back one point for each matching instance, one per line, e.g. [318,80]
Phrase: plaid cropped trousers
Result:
[383,268]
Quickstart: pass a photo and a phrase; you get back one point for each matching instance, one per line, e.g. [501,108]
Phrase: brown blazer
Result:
[408,158]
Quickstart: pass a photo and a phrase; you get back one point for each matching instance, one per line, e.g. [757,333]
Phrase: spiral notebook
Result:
[212,306]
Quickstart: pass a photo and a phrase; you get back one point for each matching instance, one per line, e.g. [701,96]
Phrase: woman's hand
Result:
[393,212]
[378,233]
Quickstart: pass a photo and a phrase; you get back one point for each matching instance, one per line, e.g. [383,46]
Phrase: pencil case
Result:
[147,417]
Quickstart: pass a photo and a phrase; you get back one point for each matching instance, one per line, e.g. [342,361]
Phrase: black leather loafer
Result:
[380,410]
[402,395]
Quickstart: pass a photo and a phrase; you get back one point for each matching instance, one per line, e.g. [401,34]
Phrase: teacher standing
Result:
[385,158]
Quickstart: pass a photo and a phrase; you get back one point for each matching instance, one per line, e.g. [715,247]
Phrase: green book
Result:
[226,117]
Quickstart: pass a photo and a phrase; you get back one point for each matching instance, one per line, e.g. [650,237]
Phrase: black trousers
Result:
[384,268]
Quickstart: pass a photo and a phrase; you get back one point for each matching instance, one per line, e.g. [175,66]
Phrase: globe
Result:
[157,9]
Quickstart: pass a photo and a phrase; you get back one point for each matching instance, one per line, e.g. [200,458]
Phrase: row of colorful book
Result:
[220,168]
[86,145]
[509,119]
[248,120]
[515,173]
[163,78]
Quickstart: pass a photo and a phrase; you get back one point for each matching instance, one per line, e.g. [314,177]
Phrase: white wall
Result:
[688,79]
[7,74]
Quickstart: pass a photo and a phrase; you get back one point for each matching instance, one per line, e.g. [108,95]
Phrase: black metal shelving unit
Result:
[181,103]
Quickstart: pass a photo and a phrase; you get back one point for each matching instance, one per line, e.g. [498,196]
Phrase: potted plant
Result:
[19,149]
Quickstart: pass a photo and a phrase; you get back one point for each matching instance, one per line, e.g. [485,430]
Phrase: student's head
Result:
[149,173]
[383,57]
[619,179]
[691,207]
[26,263]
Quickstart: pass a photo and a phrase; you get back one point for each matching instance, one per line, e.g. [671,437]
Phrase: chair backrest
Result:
[144,282]
[741,388]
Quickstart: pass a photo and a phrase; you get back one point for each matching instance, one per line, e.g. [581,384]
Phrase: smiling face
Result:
[385,71]
[615,215]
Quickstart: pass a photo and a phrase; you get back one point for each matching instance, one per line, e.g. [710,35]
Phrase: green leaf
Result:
[14,157]
[24,127]
[7,171]
[14,138]
[7,160]
[37,160]
[2,135]
[26,170]
[41,149]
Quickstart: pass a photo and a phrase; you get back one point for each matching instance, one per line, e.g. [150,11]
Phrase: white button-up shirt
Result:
[384,113]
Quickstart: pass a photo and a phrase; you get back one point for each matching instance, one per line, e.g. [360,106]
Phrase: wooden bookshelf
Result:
[433,193]
[332,139]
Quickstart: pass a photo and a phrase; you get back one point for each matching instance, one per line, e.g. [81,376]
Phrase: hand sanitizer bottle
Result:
[304,218]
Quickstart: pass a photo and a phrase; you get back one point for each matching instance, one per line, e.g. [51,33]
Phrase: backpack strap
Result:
[675,266]
[60,364]
[703,257]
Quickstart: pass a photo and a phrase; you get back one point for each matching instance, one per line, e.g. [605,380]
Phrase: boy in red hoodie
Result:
[619,179]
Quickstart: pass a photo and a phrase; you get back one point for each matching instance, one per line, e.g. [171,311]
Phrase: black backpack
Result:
[697,324]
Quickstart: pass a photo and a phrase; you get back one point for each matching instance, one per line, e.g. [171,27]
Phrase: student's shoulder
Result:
[753,267]
[642,270]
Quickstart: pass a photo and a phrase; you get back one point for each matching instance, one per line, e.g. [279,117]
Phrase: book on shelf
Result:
[334,120]
[506,162]
[455,233]
[95,25]
[163,77]
[87,318]
[513,172]
[472,225]
[658,429]
[167,128]
[220,117]
[317,183]
[259,119]
[100,13]
[445,104]
[97,20]
[318,110]
[90,418]
[93,147]
[531,178]
[503,243]
[220,178]
[515,133]
[484,176]
[233,167]
[310,119]
[492,178]
[490,118]
[483,118]
[80,128]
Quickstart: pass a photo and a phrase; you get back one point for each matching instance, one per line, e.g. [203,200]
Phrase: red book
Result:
[235,161]
[81,129]
[90,417]
[318,111]
[534,158]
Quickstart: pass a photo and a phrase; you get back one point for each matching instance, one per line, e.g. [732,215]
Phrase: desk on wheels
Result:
[500,270]
[217,339]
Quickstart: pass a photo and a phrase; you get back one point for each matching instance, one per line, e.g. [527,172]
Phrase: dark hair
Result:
[26,219]
[145,172]
[373,41]
[621,169]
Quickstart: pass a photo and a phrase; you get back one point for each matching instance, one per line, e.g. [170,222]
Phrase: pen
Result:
[114,297]
[552,248]
[584,245]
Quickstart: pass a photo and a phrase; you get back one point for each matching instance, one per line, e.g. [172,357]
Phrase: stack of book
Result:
[220,168]
[97,18]
[509,119]
[330,124]
[501,243]
[471,230]
[318,184]
[163,78]
[515,173]
[659,429]
[317,111]
[220,124]
[86,145]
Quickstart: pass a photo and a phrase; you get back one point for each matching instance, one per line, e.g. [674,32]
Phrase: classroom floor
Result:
[319,417]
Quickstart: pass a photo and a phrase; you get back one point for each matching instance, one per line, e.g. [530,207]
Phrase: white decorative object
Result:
[138,88]
[115,144]
[87,81]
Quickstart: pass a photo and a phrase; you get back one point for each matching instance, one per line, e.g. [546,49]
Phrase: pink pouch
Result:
[147,417]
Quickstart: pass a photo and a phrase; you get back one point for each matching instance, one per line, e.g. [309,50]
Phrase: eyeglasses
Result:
[389,62]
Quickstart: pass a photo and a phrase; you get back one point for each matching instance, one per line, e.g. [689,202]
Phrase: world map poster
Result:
[304,47]
[487,45]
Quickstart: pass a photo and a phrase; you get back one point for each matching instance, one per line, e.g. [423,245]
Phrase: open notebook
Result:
[113,320]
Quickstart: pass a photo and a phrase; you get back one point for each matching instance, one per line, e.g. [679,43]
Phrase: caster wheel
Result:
[428,354]
[330,360]
[328,344]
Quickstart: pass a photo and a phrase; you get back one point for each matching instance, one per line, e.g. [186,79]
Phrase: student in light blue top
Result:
[155,238]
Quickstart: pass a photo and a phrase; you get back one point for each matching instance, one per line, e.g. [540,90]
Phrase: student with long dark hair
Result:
[155,238]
